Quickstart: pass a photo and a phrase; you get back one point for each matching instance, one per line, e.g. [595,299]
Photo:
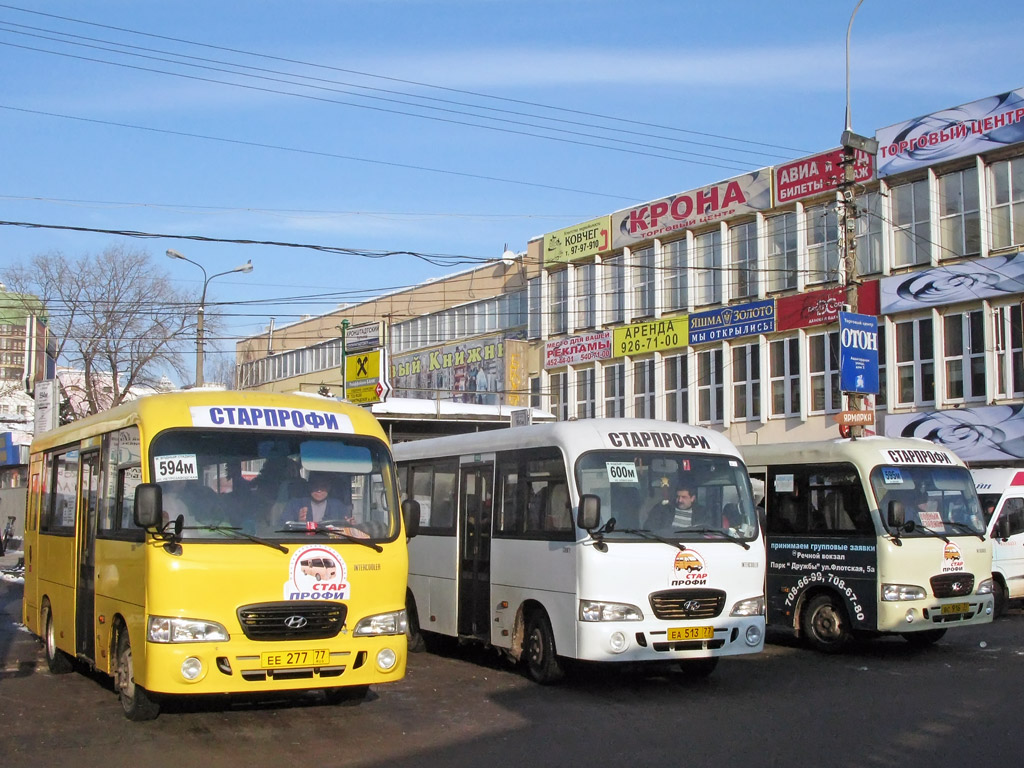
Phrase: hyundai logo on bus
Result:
[295,622]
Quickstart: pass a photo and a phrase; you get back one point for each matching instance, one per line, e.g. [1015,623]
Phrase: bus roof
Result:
[576,437]
[874,449]
[188,408]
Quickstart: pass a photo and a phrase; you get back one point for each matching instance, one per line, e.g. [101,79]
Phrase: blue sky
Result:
[357,125]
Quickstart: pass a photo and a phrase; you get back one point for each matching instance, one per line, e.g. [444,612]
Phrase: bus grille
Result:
[292,620]
[952,584]
[675,604]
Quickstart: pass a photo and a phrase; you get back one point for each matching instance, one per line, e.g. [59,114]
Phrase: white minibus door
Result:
[475,501]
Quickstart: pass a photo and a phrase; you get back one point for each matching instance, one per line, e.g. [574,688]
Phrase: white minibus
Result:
[1002,493]
[568,541]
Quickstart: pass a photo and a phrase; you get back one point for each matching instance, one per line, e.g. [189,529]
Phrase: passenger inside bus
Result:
[559,515]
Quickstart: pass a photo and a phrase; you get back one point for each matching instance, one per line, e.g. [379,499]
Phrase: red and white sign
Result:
[578,349]
[817,174]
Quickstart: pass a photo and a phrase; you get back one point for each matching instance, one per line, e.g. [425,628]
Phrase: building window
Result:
[559,282]
[643,389]
[911,219]
[534,314]
[746,381]
[1009,352]
[823,243]
[558,395]
[677,407]
[585,296]
[1006,196]
[708,264]
[959,217]
[535,398]
[615,391]
[643,282]
[782,256]
[709,386]
[963,340]
[915,362]
[585,394]
[869,234]
[743,251]
[613,290]
[676,282]
[823,361]
[784,374]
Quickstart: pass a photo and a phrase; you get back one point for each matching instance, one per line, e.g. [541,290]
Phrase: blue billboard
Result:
[858,353]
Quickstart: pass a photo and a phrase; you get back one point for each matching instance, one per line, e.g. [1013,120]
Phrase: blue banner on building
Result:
[732,322]
[858,353]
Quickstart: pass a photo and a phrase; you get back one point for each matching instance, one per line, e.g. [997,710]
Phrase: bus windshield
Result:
[938,500]
[275,486]
[672,495]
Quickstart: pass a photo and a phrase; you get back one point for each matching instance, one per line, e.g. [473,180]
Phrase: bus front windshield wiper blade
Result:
[331,530]
[966,528]
[910,526]
[651,535]
[239,532]
[717,532]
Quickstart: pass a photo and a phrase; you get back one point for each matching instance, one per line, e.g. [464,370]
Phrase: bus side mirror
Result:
[589,515]
[149,505]
[895,514]
[1002,527]
[411,516]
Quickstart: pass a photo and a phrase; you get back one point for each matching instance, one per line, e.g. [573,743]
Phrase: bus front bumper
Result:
[664,641]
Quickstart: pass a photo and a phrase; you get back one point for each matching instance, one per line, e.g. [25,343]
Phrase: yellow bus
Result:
[214,542]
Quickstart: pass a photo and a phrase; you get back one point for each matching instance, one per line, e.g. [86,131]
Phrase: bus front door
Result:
[475,499]
[85,600]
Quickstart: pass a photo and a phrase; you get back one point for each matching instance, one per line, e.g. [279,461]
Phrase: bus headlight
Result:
[985,587]
[895,592]
[191,668]
[596,610]
[393,623]
[386,659]
[753,606]
[166,629]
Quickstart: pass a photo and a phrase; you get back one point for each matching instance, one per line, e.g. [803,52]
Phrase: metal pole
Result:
[344,360]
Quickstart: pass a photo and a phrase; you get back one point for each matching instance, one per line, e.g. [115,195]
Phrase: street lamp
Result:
[247,267]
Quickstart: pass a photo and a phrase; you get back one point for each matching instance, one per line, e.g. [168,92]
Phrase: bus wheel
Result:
[925,638]
[698,669]
[134,698]
[58,661]
[347,696]
[414,639]
[1000,597]
[542,664]
[824,625]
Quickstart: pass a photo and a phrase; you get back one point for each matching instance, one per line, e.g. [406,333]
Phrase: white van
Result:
[1001,491]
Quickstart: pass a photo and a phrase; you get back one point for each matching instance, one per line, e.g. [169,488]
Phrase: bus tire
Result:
[414,639]
[824,624]
[1000,598]
[347,696]
[135,700]
[925,638]
[58,662]
[542,663]
[698,669]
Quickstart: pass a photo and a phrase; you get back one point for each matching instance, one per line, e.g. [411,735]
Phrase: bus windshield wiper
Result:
[717,531]
[239,532]
[965,527]
[651,535]
[330,530]
[910,526]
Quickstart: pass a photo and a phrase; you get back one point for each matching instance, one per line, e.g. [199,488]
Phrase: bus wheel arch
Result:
[824,622]
[58,662]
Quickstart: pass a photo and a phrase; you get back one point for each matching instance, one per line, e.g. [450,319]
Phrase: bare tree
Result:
[114,316]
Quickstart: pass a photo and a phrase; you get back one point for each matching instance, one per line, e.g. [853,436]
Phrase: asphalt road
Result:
[882,704]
